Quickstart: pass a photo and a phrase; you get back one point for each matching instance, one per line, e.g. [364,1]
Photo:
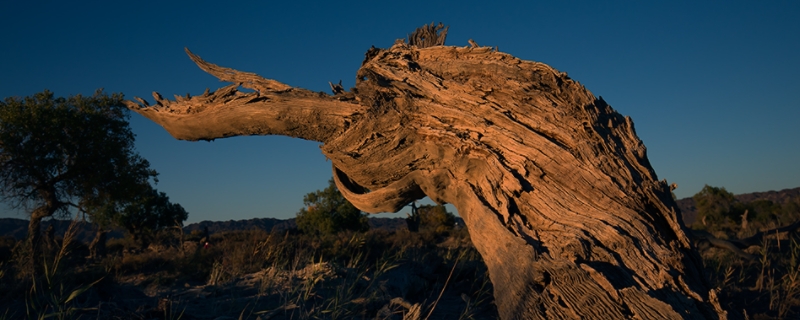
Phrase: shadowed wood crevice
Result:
[553,184]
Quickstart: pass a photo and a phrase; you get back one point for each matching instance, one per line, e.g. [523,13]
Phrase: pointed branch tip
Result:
[246,79]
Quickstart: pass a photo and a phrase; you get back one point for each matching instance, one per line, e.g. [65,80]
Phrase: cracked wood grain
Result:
[553,184]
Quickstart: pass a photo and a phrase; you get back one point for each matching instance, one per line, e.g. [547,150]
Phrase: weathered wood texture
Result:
[553,184]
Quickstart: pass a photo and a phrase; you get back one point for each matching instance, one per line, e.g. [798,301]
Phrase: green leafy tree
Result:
[63,154]
[765,211]
[149,213]
[715,205]
[327,212]
[435,218]
[791,211]
[141,210]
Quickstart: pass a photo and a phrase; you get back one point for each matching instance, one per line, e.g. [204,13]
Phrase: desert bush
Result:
[353,274]
[433,223]
[120,245]
[328,212]
[716,207]
[765,288]
[7,244]
[347,274]
[195,235]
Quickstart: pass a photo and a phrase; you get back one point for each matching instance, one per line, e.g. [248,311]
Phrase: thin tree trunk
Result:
[553,184]
[34,236]
[97,249]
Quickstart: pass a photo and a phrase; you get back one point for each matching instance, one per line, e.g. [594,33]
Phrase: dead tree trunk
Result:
[552,183]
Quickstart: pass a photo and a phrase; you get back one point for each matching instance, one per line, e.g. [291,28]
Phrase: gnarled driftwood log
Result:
[552,183]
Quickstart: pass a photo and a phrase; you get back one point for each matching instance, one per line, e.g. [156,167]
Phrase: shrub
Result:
[434,220]
[328,212]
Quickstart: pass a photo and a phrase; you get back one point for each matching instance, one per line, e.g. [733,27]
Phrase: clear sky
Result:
[712,87]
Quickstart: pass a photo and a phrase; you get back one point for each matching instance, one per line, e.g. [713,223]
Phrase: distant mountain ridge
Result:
[18,228]
[278,225]
[266,224]
[689,209]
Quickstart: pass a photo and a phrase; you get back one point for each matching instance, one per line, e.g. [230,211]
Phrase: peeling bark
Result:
[553,184]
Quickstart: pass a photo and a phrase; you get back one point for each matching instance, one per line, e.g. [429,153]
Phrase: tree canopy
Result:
[327,211]
[715,204]
[149,213]
[59,154]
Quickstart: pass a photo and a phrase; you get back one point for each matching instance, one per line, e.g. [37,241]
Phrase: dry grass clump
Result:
[767,287]
[56,287]
[350,275]
[347,275]
[256,275]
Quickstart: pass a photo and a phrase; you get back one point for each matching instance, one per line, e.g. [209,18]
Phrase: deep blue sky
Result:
[712,88]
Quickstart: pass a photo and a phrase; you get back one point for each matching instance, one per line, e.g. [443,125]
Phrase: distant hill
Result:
[18,228]
[278,225]
[689,210]
[266,224]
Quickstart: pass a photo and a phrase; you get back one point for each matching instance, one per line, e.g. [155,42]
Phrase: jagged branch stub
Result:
[428,36]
